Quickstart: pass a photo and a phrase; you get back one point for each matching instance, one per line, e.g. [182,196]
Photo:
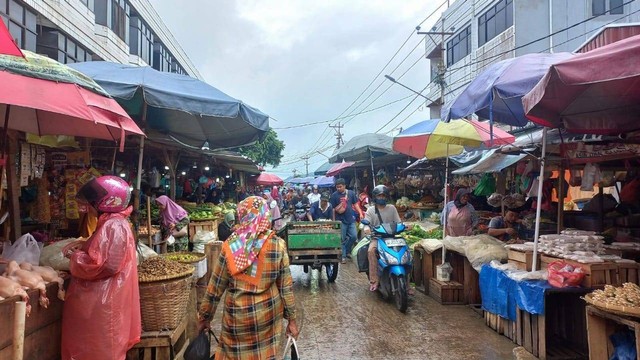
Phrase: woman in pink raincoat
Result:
[101,314]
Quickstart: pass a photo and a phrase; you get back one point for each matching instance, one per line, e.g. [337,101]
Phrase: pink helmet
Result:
[107,194]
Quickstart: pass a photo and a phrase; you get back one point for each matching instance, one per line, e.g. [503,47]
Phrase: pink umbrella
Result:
[268,179]
[335,169]
[7,45]
[597,92]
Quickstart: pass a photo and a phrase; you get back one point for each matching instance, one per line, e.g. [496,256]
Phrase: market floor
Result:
[344,320]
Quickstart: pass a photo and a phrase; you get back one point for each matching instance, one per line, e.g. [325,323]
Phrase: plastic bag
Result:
[52,255]
[575,178]
[291,350]
[624,346]
[144,252]
[25,249]
[200,348]
[171,240]
[562,274]
[201,238]
[360,254]
[486,186]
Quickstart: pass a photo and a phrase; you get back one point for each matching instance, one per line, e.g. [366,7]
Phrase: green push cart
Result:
[315,244]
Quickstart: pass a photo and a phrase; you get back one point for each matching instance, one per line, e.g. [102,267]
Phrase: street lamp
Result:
[406,87]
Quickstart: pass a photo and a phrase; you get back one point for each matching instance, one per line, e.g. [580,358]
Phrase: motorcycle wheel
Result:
[332,271]
[401,297]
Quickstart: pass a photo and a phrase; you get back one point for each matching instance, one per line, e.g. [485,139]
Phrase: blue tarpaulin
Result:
[190,110]
[501,294]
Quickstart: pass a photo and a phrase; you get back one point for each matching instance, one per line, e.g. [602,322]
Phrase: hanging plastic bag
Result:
[291,350]
[200,348]
[575,177]
[486,186]
[171,240]
[25,249]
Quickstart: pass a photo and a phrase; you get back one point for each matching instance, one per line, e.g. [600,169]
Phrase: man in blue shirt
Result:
[342,201]
[321,210]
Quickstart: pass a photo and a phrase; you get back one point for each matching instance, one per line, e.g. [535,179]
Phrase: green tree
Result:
[267,151]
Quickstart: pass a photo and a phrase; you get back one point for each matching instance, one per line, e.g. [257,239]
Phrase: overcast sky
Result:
[307,61]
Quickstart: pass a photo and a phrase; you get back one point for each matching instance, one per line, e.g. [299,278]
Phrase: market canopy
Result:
[44,97]
[496,93]
[323,181]
[336,168]
[491,162]
[300,180]
[596,92]
[322,169]
[364,147]
[190,110]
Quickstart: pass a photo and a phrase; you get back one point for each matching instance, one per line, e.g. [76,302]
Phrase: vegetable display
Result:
[418,233]
[628,295]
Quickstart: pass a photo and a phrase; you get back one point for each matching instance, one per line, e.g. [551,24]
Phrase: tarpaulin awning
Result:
[322,169]
[188,109]
[364,147]
[323,181]
[490,162]
[597,92]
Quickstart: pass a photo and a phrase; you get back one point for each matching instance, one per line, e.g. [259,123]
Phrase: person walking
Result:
[254,267]
[342,201]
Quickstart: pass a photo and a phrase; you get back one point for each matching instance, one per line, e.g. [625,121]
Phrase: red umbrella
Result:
[44,97]
[335,169]
[7,45]
[268,179]
[596,92]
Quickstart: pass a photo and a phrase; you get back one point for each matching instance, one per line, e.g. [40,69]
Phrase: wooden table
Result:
[600,325]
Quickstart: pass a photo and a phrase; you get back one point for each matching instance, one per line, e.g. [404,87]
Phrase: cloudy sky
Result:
[306,62]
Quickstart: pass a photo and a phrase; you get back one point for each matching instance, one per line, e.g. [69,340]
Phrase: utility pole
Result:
[338,134]
[306,163]
[442,68]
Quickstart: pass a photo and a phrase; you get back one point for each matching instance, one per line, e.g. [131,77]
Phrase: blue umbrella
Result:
[323,181]
[191,111]
[496,93]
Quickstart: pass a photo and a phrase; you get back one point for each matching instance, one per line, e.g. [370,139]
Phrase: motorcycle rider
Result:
[380,213]
[299,206]
[314,196]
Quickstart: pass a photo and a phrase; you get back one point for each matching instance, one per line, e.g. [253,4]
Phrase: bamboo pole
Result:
[19,320]
[149,221]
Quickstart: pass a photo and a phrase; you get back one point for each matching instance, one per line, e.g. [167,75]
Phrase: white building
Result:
[123,31]
[477,33]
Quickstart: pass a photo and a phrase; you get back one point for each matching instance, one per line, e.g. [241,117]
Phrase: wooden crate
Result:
[519,265]
[43,328]
[601,325]
[501,325]
[446,293]
[429,262]
[161,345]
[209,225]
[466,275]
[524,257]
[628,272]
[416,270]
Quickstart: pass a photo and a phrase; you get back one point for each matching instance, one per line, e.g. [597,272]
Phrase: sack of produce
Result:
[52,255]
[360,255]
[562,274]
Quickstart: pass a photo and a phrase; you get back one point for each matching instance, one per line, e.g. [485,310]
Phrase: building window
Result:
[612,7]
[162,58]
[21,22]
[494,21]
[113,14]
[88,3]
[459,46]
[141,40]
[61,47]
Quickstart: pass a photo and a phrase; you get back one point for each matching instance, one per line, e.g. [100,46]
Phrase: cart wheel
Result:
[305,268]
[332,271]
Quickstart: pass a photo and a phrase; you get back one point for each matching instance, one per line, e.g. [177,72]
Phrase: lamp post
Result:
[406,87]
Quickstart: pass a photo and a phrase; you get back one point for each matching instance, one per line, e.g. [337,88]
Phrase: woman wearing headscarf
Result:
[275,194]
[174,221]
[274,209]
[254,266]
[225,229]
[461,216]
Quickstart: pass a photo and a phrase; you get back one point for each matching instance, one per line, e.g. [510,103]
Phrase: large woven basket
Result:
[163,304]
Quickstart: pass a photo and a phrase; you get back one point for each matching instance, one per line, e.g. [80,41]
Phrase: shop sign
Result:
[581,153]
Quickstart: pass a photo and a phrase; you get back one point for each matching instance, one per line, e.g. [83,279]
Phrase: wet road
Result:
[344,320]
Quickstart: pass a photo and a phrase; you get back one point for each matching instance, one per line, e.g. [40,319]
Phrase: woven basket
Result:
[616,309]
[200,257]
[163,304]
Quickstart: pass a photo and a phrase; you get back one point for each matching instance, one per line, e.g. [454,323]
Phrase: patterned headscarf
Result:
[245,243]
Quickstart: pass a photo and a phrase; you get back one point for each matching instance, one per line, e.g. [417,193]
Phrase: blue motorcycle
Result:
[394,263]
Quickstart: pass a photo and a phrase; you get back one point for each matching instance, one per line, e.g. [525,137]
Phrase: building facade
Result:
[123,31]
[472,34]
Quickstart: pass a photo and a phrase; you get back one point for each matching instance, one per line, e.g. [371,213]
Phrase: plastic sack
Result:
[624,346]
[103,300]
[291,350]
[144,252]
[171,240]
[360,254]
[200,348]
[562,274]
[201,238]
[25,249]
[52,255]
[486,186]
